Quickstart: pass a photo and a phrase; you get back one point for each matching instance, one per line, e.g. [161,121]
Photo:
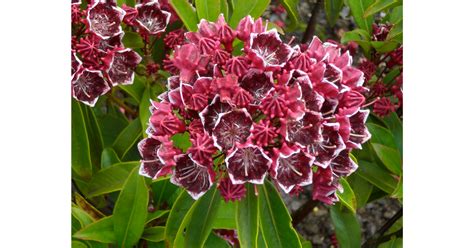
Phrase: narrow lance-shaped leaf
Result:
[108,158]
[333,8]
[208,9]
[176,216]
[144,110]
[203,215]
[130,210]
[291,7]
[380,5]
[347,227]
[347,197]
[243,8]
[390,158]
[275,220]
[127,138]
[358,7]
[96,143]
[361,187]
[154,234]
[246,216]
[80,159]
[378,176]
[186,13]
[110,179]
[101,231]
[225,218]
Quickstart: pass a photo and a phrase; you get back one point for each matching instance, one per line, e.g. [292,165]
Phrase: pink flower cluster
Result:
[99,59]
[267,110]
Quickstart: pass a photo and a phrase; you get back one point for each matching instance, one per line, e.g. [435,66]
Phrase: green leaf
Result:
[96,143]
[127,138]
[131,210]
[177,215]
[101,231]
[202,218]
[225,9]
[214,241]
[108,158]
[333,8]
[291,7]
[381,5]
[182,141]
[186,13]
[275,221]
[347,197]
[136,89]
[381,135]
[78,244]
[80,150]
[361,187]
[111,124]
[358,7]
[82,216]
[144,110]
[83,204]
[155,234]
[129,3]
[163,190]
[396,127]
[376,175]
[246,217]
[347,227]
[398,192]
[209,9]
[390,158]
[393,243]
[110,179]
[225,218]
[242,8]
[396,33]
[359,36]
[132,40]
[384,46]
[396,15]
[155,215]
[390,76]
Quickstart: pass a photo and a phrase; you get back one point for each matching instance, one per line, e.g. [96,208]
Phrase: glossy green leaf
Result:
[133,40]
[163,191]
[82,216]
[291,7]
[108,158]
[396,15]
[144,110]
[131,210]
[127,138]
[101,231]
[384,46]
[275,221]
[243,8]
[347,227]
[155,215]
[176,216]
[111,124]
[391,76]
[361,187]
[225,9]
[110,179]
[304,243]
[186,13]
[398,192]
[80,150]
[390,157]
[347,197]
[246,217]
[396,33]
[260,241]
[225,218]
[393,243]
[396,127]
[378,176]
[333,8]
[381,135]
[380,5]
[136,89]
[209,9]
[358,8]
[85,205]
[359,36]
[78,244]
[96,143]
[214,241]
[202,218]
[155,234]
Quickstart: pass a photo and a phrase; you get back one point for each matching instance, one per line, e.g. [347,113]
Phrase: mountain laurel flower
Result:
[291,114]
[104,18]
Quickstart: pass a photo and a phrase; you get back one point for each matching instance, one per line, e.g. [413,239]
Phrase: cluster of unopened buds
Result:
[99,58]
[274,110]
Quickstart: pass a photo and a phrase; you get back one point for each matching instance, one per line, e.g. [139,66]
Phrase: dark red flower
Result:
[325,186]
[383,107]
[122,66]
[267,49]
[232,127]
[88,85]
[247,163]
[150,18]
[202,148]
[104,19]
[191,175]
